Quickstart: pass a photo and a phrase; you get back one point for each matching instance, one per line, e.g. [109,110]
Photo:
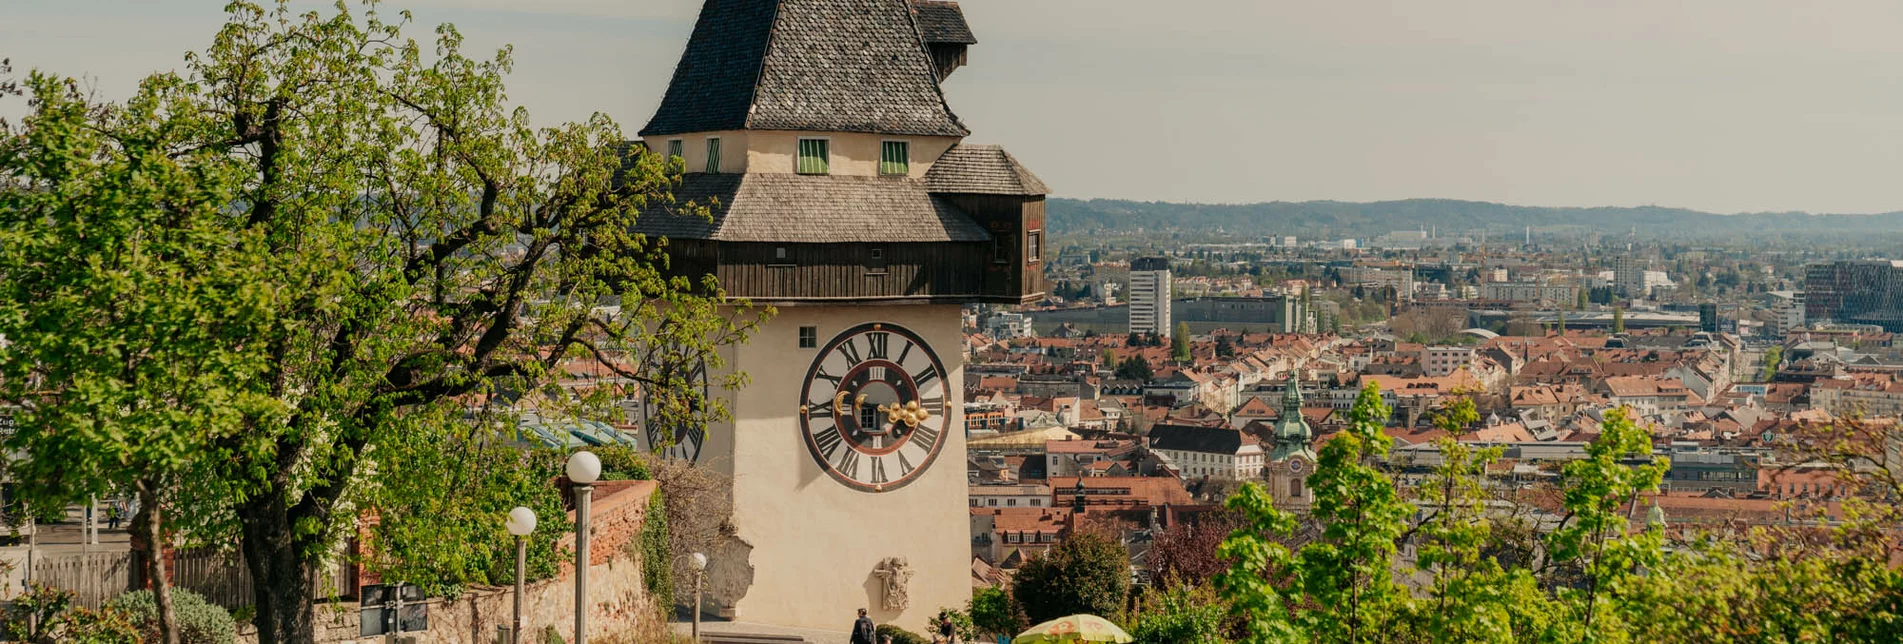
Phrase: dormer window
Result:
[674,149]
[895,158]
[713,155]
[815,156]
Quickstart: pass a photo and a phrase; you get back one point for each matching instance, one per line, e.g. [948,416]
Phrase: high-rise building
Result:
[1150,295]
[1628,277]
[1855,292]
[841,190]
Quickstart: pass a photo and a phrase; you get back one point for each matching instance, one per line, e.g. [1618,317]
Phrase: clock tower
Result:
[1291,461]
[842,193]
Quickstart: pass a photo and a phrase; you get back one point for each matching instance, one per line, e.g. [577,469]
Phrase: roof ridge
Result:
[938,86]
[759,75]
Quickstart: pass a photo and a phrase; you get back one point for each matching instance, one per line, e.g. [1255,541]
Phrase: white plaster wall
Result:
[816,541]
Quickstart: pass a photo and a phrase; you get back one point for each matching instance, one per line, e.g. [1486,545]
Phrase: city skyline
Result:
[1619,104]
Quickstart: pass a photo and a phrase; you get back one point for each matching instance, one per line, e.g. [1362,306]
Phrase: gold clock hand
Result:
[839,405]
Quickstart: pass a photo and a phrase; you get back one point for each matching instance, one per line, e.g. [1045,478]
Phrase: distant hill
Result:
[1336,219]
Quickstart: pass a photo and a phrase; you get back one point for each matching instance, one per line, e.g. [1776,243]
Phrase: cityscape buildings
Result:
[1150,295]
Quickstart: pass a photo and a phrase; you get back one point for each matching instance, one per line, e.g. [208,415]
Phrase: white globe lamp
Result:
[584,467]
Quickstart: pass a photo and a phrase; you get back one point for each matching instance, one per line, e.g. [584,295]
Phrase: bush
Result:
[199,621]
[900,635]
[1180,615]
[1084,574]
[58,620]
[657,567]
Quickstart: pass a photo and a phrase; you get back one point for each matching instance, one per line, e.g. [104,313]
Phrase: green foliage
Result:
[199,621]
[1258,562]
[1618,320]
[44,615]
[1772,358]
[1086,573]
[1179,342]
[962,624]
[657,570]
[993,613]
[900,635]
[306,259]
[1135,368]
[1348,571]
[1593,532]
[1179,615]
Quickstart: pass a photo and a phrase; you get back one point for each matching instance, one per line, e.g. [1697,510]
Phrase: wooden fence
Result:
[221,577]
[93,576]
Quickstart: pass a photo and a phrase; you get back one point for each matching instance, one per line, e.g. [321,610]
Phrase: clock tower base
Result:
[820,549]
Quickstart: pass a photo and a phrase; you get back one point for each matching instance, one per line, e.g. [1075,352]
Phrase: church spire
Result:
[1291,430]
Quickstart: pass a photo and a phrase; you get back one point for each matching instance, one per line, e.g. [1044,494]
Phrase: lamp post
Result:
[700,573]
[521,524]
[583,468]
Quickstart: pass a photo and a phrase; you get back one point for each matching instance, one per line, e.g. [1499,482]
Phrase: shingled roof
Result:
[943,22]
[813,209]
[981,169]
[806,65]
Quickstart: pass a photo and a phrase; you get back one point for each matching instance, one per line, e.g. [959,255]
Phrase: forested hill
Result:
[1336,219]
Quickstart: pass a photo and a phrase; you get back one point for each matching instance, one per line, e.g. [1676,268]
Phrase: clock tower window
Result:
[809,337]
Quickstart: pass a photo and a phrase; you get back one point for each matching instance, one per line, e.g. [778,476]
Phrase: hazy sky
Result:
[1724,105]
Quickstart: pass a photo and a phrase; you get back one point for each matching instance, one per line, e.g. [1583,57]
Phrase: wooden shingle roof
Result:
[812,209]
[943,22]
[982,169]
[806,65]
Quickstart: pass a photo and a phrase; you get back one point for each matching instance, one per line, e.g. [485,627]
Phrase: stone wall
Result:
[618,601]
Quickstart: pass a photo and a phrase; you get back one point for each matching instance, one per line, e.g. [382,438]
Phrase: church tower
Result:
[1291,461]
[847,198]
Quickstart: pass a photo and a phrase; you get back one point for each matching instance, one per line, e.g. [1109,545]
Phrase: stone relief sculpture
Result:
[893,573]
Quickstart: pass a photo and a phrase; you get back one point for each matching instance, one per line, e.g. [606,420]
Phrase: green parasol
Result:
[1076,628]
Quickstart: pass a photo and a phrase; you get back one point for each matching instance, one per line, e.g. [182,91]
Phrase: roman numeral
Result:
[879,342]
[822,375]
[928,375]
[876,373]
[933,404]
[925,437]
[878,470]
[849,464]
[850,349]
[828,442]
[905,352]
[905,466]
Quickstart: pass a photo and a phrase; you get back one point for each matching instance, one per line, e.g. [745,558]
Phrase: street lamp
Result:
[521,523]
[700,573]
[583,468]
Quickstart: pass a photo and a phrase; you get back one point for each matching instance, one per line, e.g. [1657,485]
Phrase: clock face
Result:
[682,436]
[1295,465]
[873,407]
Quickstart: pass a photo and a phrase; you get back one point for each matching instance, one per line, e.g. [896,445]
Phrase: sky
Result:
[1717,105]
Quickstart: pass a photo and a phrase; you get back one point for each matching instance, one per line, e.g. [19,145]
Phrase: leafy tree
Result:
[1179,342]
[1109,359]
[1772,358]
[1592,533]
[1135,368]
[993,612]
[1348,571]
[1258,561]
[1178,614]
[1225,348]
[1087,573]
[307,257]
[1186,553]
[1618,320]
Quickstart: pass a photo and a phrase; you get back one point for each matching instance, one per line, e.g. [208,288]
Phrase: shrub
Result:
[51,610]
[1085,574]
[199,621]
[900,635]
[657,567]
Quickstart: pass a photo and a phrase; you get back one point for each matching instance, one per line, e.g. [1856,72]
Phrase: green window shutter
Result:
[895,158]
[813,157]
[673,148]
[713,156]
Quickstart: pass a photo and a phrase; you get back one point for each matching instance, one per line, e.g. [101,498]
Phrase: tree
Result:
[1185,554]
[1225,348]
[1592,532]
[1086,573]
[1259,584]
[993,612]
[1583,301]
[370,244]
[1109,359]
[1618,320]
[1348,571]
[1178,614]
[1772,358]
[1135,368]
[1179,343]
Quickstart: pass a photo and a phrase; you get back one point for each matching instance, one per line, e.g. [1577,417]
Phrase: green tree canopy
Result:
[1087,573]
[319,257]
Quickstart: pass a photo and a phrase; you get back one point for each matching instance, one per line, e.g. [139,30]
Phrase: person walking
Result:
[863,632]
[947,633]
[112,516]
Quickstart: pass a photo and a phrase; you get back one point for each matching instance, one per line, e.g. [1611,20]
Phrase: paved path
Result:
[812,636]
